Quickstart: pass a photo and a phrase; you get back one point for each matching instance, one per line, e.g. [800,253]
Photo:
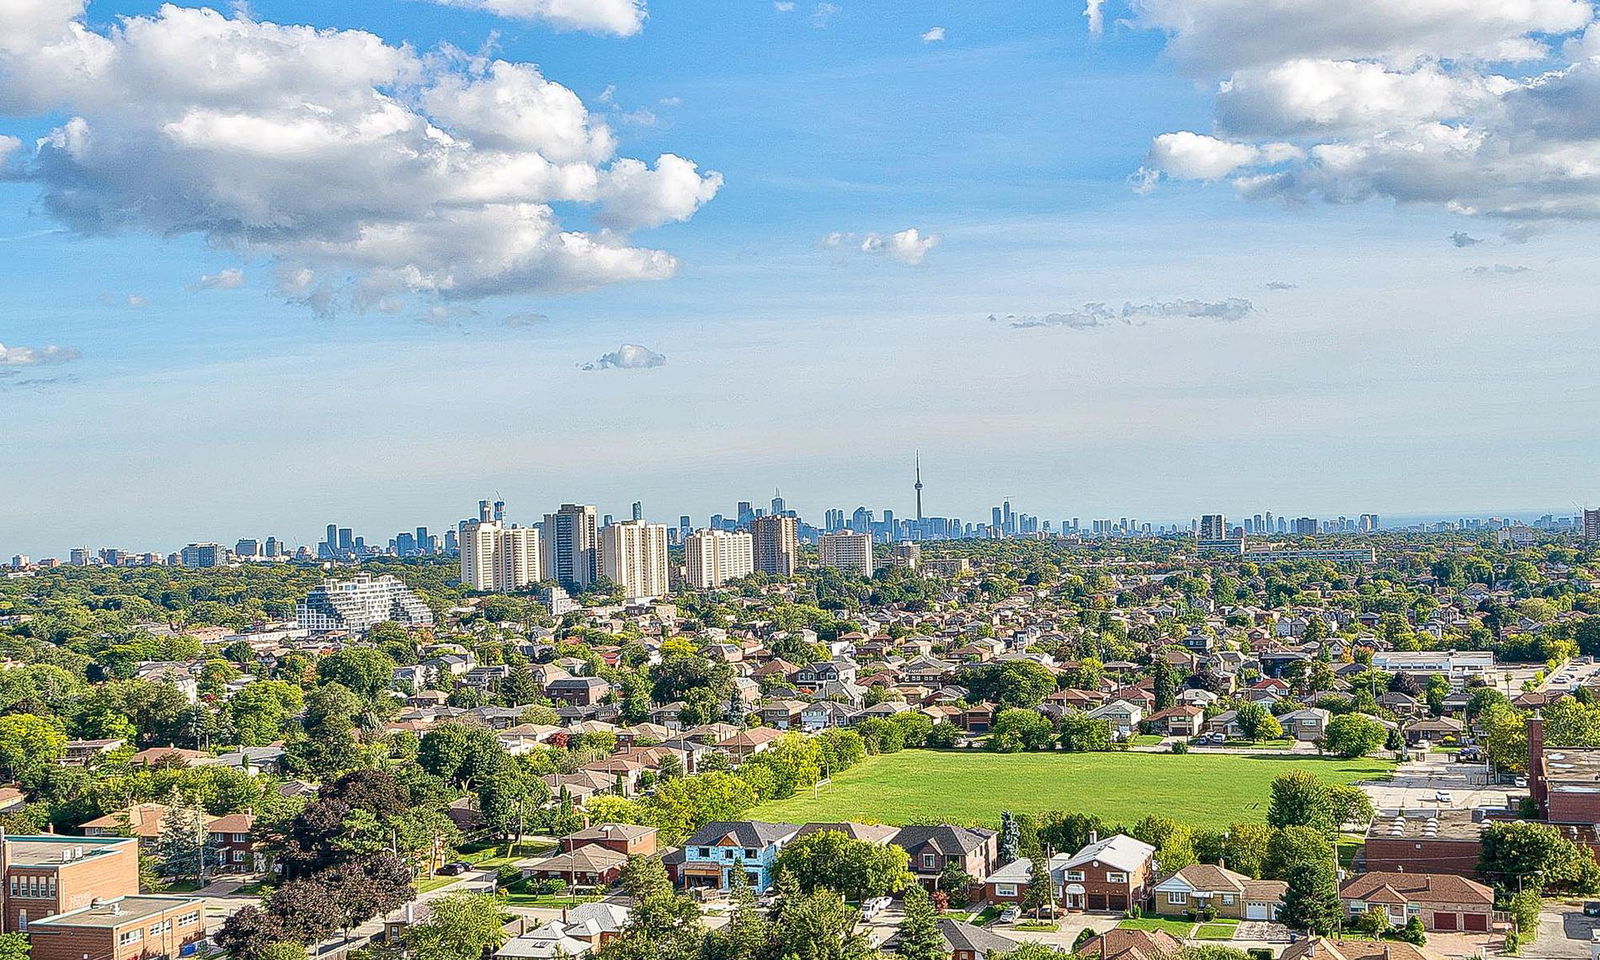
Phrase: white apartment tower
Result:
[716,556]
[496,557]
[568,546]
[633,555]
[847,551]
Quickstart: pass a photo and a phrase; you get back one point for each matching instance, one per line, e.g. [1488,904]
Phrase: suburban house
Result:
[1321,948]
[579,932]
[1123,716]
[591,865]
[1230,894]
[720,847]
[963,941]
[1130,945]
[625,838]
[1180,721]
[1110,874]
[1306,724]
[578,691]
[934,849]
[1443,901]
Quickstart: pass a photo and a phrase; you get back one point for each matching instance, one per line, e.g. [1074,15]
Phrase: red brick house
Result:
[624,838]
[933,849]
[1444,901]
[1111,874]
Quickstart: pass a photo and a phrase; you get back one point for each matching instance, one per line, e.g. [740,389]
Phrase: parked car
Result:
[1442,796]
[454,868]
[873,907]
[1010,915]
[1520,782]
[1591,908]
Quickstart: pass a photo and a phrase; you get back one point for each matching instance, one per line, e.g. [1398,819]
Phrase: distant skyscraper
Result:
[847,551]
[713,557]
[361,604]
[569,546]
[202,556]
[496,557]
[1591,526]
[776,545]
[779,508]
[633,555]
[747,512]
[638,511]
[424,542]
[1213,527]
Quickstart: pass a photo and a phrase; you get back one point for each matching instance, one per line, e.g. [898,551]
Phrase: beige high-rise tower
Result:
[775,545]
[633,555]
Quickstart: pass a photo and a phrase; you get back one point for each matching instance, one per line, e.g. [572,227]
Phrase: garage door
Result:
[1255,911]
[1097,901]
[1475,921]
[1444,921]
[1119,901]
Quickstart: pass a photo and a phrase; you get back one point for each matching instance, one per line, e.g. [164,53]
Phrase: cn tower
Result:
[919,487]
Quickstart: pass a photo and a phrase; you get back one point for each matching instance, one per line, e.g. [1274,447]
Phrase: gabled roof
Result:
[1120,851]
[747,833]
[1383,887]
[949,841]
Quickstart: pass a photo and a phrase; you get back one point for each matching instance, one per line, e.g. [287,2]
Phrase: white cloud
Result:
[1463,239]
[35,356]
[629,356]
[1094,13]
[623,18]
[823,13]
[231,278]
[1092,315]
[933,35]
[363,170]
[908,246]
[1478,107]
[783,6]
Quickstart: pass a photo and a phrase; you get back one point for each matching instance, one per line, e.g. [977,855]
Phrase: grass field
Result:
[972,788]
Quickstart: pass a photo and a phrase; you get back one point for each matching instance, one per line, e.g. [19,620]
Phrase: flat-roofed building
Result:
[49,875]
[714,557]
[120,928]
[850,552]
[1424,841]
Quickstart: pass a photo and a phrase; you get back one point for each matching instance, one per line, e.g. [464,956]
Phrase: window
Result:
[1177,897]
[1074,874]
[241,838]
[238,856]
[1227,899]
[130,936]
[705,851]
[927,861]
[749,854]
[189,919]
[157,929]
[52,885]
[1005,889]
[1116,877]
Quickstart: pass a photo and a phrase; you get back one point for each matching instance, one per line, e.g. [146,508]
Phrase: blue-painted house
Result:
[720,847]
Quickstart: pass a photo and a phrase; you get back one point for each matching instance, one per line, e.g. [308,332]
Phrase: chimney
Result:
[1537,788]
[1094,836]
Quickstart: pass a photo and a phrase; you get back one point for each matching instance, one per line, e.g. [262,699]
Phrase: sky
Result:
[272,265]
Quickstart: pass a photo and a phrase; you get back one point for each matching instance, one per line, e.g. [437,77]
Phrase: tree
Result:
[919,937]
[1522,855]
[249,932]
[1349,805]
[1353,735]
[1300,799]
[260,711]
[645,877]
[1015,683]
[1166,684]
[1041,891]
[1174,842]
[182,848]
[1293,845]
[854,868]
[14,946]
[819,926]
[29,746]
[460,753]
[363,671]
[461,927]
[1081,733]
[1256,722]
[1010,837]
[1311,901]
[1019,729]
[880,735]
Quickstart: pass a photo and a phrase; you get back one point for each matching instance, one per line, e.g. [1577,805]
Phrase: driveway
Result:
[1564,933]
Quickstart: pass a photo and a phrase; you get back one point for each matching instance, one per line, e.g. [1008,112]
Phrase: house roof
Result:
[1120,851]
[1131,945]
[1319,948]
[1205,876]
[747,833]
[965,936]
[1384,887]
[948,840]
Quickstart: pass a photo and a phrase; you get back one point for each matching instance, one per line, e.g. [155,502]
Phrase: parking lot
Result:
[1417,784]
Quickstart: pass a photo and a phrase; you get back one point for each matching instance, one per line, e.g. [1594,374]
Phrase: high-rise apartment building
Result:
[1213,527]
[497,557]
[847,551]
[1591,526]
[568,546]
[203,556]
[716,556]
[776,545]
[633,555]
[361,604]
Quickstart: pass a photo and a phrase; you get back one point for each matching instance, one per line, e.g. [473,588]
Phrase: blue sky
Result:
[1369,363]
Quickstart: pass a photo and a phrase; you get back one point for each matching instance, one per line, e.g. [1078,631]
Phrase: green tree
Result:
[855,868]
[1019,729]
[1256,722]
[361,670]
[918,937]
[1523,855]
[1311,901]
[1353,735]
[1081,733]
[461,927]
[1292,845]
[29,746]
[1300,799]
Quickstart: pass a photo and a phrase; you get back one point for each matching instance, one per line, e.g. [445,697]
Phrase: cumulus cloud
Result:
[1094,315]
[14,357]
[363,170]
[1094,13]
[1463,239]
[629,356]
[1479,107]
[933,35]
[623,18]
[231,278]
[908,246]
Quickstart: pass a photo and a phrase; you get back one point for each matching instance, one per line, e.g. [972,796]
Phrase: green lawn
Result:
[1182,929]
[1217,930]
[973,787]
[425,884]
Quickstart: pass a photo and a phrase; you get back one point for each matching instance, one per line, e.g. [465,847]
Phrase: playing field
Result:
[971,788]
